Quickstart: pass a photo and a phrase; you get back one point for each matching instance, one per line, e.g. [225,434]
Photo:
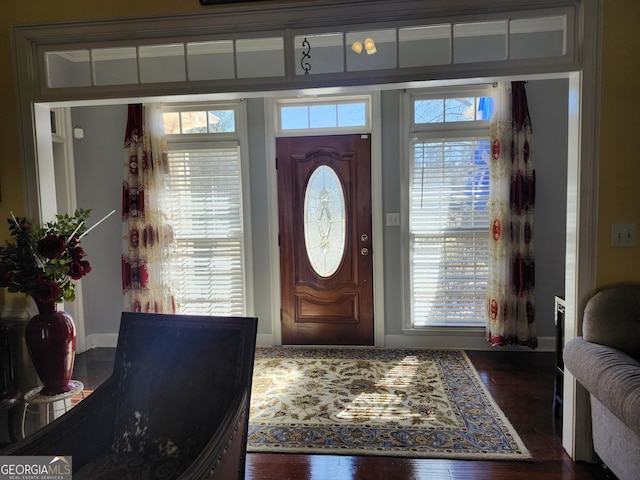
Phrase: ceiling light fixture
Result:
[368,46]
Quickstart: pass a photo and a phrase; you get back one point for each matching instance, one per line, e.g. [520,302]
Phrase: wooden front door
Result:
[326,267]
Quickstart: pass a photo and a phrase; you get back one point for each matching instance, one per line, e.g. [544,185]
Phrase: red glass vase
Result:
[51,339]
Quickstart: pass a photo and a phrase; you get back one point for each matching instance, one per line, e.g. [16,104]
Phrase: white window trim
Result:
[324,100]
[377,224]
[239,138]
[409,130]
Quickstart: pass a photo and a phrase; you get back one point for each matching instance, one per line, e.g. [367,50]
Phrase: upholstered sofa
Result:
[175,407]
[606,361]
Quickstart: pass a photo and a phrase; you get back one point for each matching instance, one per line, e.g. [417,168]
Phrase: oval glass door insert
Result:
[325,221]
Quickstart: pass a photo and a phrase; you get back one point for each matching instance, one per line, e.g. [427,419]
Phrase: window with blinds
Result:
[448,214]
[205,197]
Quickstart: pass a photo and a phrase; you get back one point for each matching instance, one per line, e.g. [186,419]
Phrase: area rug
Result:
[386,402]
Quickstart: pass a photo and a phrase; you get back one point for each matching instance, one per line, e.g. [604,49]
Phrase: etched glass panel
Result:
[324,221]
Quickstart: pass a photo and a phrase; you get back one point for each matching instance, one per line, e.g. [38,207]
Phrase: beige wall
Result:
[47,11]
[619,176]
[619,201]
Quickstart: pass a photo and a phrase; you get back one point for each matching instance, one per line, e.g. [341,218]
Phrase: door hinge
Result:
[276,163]
[278,240]
[280,315]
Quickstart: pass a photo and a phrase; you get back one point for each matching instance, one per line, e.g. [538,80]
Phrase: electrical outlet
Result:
[624,235]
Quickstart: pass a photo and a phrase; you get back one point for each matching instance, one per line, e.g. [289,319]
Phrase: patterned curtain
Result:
[510,293]
[147,236]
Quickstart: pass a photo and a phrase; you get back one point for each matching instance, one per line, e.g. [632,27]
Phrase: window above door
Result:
[323,44]
[322,115]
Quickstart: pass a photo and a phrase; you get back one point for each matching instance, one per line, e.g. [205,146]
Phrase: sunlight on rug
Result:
[387,402]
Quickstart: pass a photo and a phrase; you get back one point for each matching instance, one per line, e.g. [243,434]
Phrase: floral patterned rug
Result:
[387,402]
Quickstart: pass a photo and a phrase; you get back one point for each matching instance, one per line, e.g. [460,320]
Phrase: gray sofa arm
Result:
[610,375]
[612,318]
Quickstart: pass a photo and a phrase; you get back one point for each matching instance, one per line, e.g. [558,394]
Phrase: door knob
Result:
[364,252]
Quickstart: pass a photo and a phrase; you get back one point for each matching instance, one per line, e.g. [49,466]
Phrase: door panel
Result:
[324,196]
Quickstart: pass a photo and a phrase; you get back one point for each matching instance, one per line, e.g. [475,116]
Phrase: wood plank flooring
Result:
[520,382]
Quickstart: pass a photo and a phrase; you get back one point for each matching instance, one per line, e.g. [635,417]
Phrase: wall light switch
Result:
[624,235]
[393,219]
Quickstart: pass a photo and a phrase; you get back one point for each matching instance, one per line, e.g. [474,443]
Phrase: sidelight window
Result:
[448,215]
[206,210]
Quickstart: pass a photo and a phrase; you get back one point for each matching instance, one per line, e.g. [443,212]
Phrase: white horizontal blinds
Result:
[206,208]
[448,230]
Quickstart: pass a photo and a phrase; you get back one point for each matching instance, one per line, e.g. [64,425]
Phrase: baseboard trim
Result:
[108,340]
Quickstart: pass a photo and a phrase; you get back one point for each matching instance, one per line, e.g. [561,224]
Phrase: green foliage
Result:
[43,261]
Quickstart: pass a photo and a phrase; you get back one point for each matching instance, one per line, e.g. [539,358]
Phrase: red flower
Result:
[76,271]
[77,252]
[86,267]
[46,292]
[50,246]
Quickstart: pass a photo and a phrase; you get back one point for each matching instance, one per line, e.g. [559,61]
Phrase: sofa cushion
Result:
[612,317]
[613,377]
[130,466]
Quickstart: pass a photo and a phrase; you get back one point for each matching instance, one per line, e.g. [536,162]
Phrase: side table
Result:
[49,405]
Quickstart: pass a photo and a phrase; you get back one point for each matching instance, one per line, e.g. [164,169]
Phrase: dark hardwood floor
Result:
[522,385]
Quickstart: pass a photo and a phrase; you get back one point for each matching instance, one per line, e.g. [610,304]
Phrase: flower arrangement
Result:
[43,261]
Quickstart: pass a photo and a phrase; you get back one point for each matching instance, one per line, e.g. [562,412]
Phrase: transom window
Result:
[347,114]
[448,214]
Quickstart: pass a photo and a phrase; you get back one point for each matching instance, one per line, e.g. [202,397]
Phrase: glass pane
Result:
[293,118]
[171,122]
[193,122]
[459,109]
[260,57]
[485,108]
[162,63]
[222,121]
[372,50]
[423,46]
[428,111]
[210,60]
[115,66]
[322,116]
[352,115]
[68,69]
[480,42]
[324,221]
[326,53]
[537,37]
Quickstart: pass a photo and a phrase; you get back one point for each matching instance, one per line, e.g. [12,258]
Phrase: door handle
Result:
[364,252]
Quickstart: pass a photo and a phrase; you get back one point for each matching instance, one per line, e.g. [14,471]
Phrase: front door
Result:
[326,267]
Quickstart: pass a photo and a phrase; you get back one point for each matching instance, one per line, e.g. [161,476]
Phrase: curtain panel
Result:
[511,287]
[147,235]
